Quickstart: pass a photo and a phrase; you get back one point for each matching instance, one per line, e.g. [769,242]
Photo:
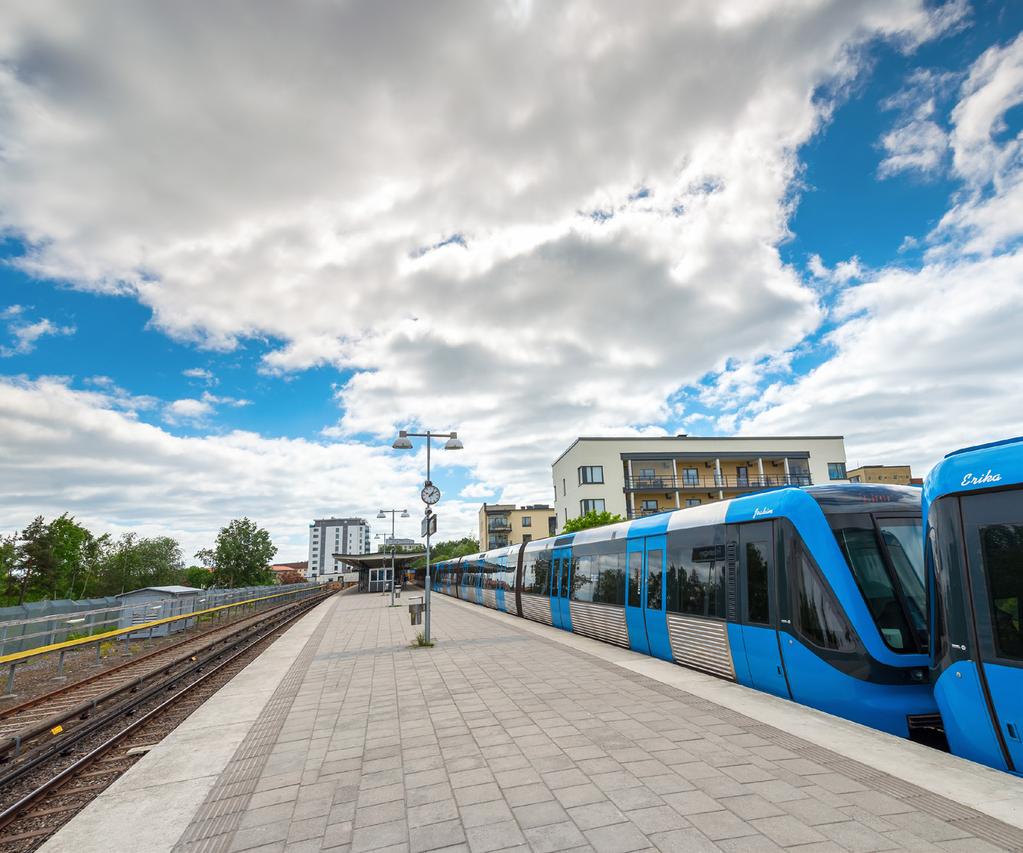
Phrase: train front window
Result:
[885,562]
[1002,547]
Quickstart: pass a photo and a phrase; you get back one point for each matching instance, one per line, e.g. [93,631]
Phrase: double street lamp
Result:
[430,495]
[383,514]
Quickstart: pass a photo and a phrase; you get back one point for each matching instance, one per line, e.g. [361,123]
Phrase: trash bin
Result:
[415,611]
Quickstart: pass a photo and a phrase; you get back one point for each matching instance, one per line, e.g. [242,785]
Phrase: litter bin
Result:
[415,610]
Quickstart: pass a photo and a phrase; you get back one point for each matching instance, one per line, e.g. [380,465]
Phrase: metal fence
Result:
[44,623]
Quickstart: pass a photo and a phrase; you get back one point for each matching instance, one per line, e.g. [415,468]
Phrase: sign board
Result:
[429,525]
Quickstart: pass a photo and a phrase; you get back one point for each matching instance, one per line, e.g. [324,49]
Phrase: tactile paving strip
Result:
[214,824]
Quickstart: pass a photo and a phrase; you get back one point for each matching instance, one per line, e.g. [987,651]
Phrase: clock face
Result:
[430,494]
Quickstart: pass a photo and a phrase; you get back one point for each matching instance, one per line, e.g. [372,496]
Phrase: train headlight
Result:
[918,675]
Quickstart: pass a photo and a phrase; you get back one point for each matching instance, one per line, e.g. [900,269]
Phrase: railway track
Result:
[54,765]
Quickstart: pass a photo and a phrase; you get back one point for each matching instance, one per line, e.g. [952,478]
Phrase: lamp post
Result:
[383,514]
[430,495]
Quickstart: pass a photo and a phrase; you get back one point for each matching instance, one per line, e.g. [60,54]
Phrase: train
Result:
[973,553]
[814,594]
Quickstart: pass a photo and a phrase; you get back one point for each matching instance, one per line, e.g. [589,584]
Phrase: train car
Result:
[973,505]
[813,594]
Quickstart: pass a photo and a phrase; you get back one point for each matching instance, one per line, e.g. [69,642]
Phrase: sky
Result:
[243,243]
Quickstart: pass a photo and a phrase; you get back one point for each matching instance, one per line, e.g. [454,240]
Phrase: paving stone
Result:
[379,749]
[554,836]
[539,814]
[617,838]
[684,841]
[786,830]
[436,836]
[502,835]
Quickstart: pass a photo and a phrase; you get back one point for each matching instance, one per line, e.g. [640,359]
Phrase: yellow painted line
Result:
[134,629]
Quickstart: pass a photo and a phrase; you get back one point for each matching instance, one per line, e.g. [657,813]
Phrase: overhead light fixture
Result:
[453,443]
[402,442]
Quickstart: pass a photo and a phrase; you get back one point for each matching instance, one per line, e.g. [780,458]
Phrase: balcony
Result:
[498,525]
[712,482]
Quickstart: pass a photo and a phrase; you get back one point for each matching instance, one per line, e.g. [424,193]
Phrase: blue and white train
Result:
[814,594]
[973,505]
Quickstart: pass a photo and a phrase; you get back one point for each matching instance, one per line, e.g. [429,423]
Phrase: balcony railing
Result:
[711,482]
[498,525]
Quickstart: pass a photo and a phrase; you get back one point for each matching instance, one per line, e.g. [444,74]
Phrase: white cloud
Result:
[25,335]
[618,186]
[200,373]
[918,146]
[65,450]
[197,411]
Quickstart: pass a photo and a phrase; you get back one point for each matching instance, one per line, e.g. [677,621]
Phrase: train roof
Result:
[984,466]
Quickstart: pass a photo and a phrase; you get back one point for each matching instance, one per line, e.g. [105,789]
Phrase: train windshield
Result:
[883,556]
[879,530]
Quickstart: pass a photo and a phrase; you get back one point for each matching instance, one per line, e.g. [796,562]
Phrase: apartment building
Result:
[637,476]
[897,475]
[506,524]
[329,536]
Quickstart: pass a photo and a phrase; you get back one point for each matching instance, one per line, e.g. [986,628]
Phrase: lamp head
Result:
[453,443]
[381,514]
[402,442]
[404,513]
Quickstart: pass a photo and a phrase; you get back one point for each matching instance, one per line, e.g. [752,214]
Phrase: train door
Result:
[759,608]
[499,581]
[655,565]
[993,527]
[634,592]
[561,570]
[480,577]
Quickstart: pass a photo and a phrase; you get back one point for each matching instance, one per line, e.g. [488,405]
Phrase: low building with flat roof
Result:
[898,475]
[636,476]
[506,524]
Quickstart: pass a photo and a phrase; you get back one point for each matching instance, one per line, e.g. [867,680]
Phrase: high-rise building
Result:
[329,536]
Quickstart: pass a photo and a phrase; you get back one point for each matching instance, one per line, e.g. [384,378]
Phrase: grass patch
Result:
[420,642]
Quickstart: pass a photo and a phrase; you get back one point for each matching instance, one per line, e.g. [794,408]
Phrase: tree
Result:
[198,576]
[591,519]
[8,569]
[448,550]
[290,576]
[133,563]
[242,555]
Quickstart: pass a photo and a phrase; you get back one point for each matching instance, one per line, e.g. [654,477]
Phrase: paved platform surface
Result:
[506,736]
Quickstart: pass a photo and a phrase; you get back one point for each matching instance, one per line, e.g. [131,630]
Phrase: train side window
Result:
[696,572]
[654,579]
[584,580]
[758,603]
[818,616]
[1002,549]
[635,577]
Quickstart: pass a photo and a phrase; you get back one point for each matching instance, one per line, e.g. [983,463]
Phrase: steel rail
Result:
[9,814]
[17,740]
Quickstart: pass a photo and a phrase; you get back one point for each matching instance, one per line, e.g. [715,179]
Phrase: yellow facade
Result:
[506,524]
[898,475]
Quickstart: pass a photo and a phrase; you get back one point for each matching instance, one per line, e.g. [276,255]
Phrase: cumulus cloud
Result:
[25,334]
[922,361]
[67,450]
[618,187]
[197,411]
[200,374]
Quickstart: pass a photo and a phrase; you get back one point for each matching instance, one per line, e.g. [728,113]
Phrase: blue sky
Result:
[225,297]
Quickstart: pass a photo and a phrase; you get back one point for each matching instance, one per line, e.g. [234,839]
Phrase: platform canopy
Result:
[380,560]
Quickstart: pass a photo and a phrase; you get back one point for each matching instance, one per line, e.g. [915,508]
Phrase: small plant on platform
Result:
[421,642]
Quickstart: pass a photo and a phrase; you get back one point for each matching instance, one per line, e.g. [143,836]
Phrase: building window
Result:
[836,471]
[563,486]
[650,506]
[526,538]
[527,521]
[552,524]
[591,505]
[691,476]
[693,501]
[591,474]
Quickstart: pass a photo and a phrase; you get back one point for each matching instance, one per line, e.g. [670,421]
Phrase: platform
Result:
[512,735]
